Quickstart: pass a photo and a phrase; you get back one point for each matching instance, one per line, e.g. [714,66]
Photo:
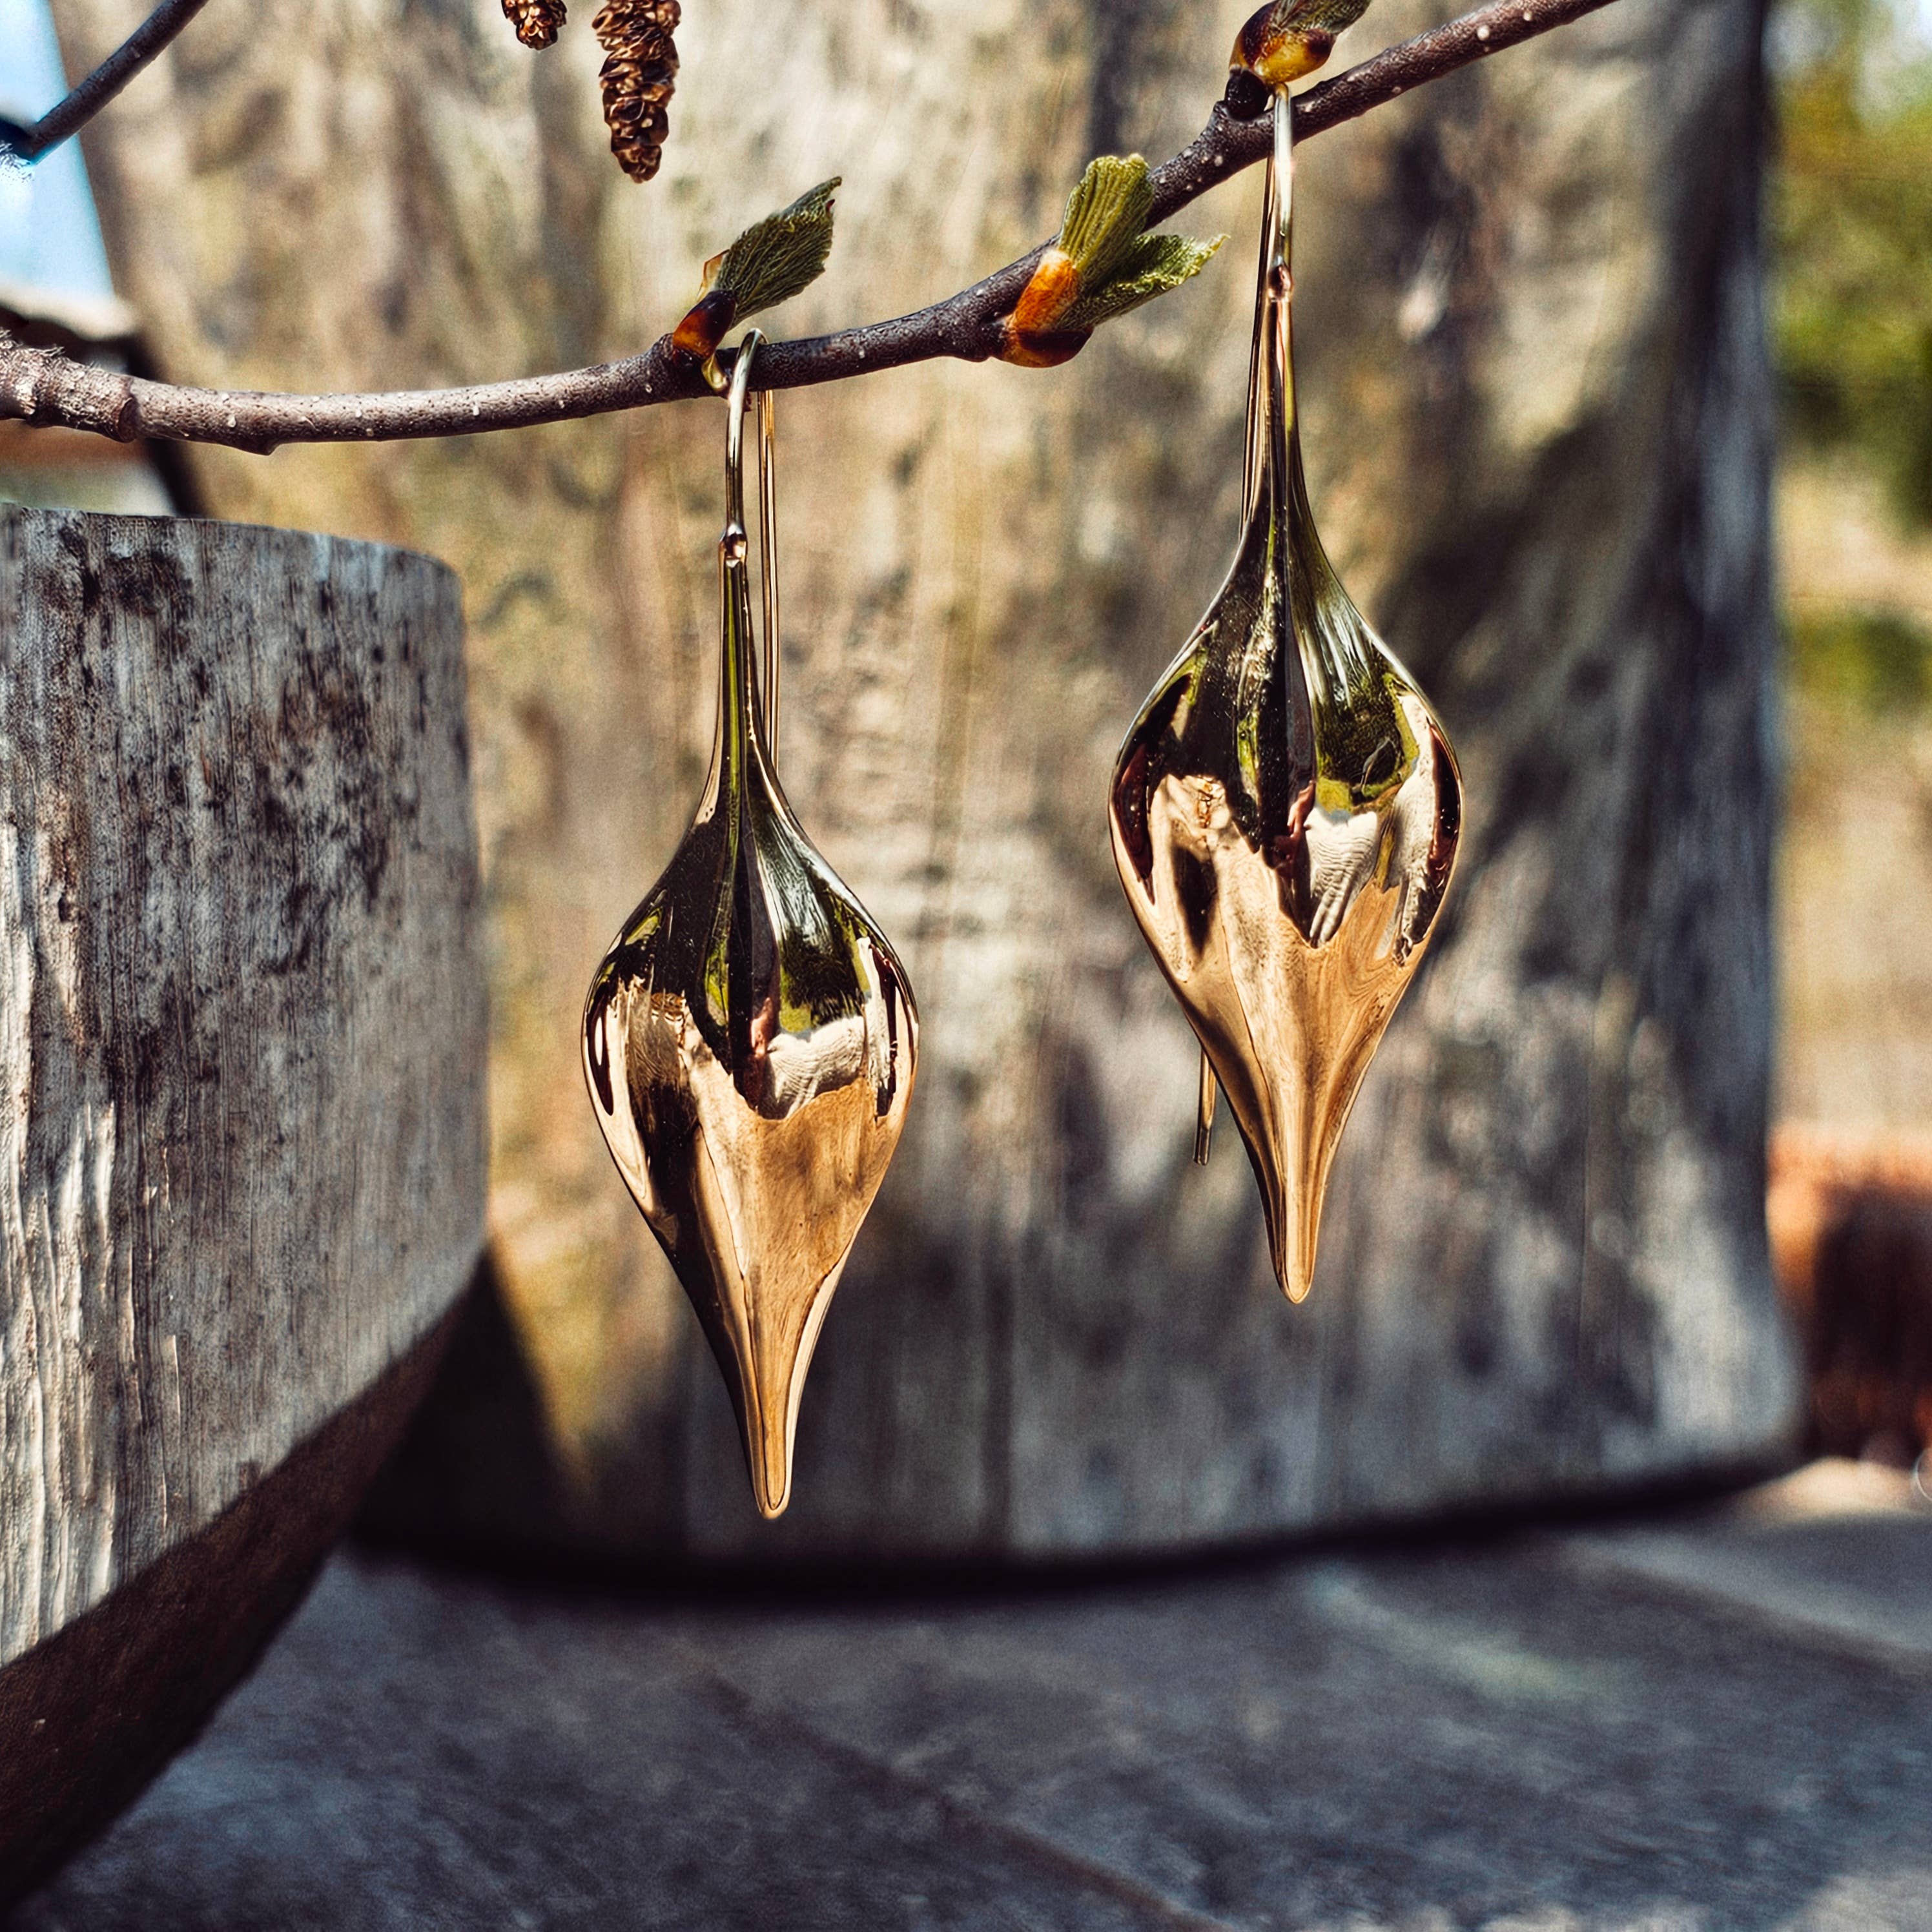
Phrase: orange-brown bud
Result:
[1033,338]
[1041,348]
[1277,55]
[707,324]
[1053,289]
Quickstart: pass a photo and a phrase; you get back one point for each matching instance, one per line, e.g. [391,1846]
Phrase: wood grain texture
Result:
[241,1020]
[1536,408]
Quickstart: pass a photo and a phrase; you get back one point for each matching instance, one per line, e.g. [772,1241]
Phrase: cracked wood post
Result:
[1537,409]
[242,1157]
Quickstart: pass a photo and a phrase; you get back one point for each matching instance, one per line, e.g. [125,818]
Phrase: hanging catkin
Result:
[536,21]
[639,71]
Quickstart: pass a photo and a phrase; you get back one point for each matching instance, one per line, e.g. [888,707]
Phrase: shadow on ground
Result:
[1719,1718]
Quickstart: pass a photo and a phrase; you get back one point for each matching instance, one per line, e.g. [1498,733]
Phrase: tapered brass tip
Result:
[771,1346]
[1294,1226]
[770,1461]
[1296,1275]
[774,1384]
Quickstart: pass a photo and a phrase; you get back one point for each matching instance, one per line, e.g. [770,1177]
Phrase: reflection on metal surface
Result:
[1284,812]
[749,1042]
[768,557]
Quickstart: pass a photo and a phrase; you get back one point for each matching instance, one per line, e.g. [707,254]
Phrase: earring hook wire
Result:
[740,394]
[1277,212]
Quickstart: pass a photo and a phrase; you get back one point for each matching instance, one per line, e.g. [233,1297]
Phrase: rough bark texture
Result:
[241,1024]
[1536,407]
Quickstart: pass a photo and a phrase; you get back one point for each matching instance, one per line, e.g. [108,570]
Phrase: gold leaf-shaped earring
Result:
[1286,808]
[749,1039]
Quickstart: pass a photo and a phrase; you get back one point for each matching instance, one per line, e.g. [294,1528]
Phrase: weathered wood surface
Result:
[241,1128]
[92,1712]
[1537,405]
[1709,1721]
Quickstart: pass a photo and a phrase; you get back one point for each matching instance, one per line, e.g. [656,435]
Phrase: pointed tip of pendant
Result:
[1293,1227]
[1295,1287]
[770,1464]
[767,1437]
[773,1386]
[1294,1268]
[766,1365]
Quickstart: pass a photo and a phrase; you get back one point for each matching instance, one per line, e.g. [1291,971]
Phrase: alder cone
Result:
[638,74]
[536,21]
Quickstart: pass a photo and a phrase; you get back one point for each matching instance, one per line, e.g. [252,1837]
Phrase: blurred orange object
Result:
[1850,1217]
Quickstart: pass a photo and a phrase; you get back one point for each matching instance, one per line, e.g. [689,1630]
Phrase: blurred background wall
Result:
[1854,316]
[1539,418]
[1852,1195]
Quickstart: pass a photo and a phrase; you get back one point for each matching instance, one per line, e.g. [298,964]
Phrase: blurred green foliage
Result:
[1853,213]
[1877,661]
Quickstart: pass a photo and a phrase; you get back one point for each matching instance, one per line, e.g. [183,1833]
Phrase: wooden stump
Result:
[241,1129]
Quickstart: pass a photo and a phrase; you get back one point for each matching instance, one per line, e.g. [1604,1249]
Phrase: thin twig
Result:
[69,116]
[43,387]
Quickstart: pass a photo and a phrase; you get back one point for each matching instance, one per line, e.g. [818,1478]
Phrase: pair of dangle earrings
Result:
[1284,814]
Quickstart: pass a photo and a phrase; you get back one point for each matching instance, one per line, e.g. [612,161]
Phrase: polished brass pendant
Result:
[749,1039]
[1284,811]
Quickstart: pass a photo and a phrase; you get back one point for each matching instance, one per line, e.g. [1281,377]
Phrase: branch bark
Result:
[69,116]
[44,388]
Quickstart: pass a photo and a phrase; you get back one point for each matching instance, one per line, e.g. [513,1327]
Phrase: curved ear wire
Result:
[740,394]
[1277,215]
[734,428]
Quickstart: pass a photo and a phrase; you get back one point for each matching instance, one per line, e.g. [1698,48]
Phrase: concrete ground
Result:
[1714,1719]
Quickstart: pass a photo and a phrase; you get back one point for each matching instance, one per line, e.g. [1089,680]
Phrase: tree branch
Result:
[69,116]
[43,387]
